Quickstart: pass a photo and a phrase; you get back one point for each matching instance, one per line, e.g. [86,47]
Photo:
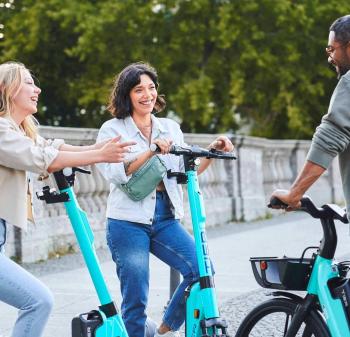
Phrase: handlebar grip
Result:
[67,171]
[174,149]
[222,155]
[154,147]
[276,202]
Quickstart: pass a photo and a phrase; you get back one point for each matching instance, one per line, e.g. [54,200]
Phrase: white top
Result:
[119,205]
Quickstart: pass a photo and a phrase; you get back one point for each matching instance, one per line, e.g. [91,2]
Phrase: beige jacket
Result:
[18,154]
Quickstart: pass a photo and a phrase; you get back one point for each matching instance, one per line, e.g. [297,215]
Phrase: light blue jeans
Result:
[130,244]
[23,291]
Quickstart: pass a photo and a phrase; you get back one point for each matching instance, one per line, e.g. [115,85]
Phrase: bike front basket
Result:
[281,273]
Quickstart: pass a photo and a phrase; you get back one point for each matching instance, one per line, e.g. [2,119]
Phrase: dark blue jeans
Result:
[130,244]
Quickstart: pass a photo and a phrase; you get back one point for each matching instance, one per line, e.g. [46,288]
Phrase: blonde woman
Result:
[21,150]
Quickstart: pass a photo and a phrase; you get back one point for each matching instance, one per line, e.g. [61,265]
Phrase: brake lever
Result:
[79,169]
[222,154]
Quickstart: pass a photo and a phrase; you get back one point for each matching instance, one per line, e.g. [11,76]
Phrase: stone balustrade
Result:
[233,191]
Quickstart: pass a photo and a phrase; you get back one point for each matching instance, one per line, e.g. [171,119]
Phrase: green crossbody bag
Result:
[145,179]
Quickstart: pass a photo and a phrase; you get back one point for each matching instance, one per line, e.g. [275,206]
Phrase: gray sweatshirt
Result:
[332,136]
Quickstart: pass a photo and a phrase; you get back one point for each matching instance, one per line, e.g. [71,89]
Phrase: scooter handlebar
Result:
[196,152]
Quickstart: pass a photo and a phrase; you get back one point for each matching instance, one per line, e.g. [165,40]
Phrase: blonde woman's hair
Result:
[11,78]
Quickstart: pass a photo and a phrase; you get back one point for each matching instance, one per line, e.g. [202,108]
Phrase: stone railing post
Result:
[248,192]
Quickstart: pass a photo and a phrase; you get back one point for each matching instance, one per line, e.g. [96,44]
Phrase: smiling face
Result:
[338,54]
[26,99]
[143,96]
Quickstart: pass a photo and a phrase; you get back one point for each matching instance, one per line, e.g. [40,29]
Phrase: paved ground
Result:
[230,249]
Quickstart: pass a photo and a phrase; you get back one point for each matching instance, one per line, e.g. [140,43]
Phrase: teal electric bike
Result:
[202,314]
[325,309]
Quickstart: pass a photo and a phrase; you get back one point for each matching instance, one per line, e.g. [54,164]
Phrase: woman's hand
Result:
[99,145]
[163,144]
[112,151]
[222,143]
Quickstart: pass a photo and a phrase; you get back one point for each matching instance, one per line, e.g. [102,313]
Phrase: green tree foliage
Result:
[262,60]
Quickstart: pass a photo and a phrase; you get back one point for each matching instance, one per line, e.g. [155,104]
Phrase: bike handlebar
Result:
[328,211]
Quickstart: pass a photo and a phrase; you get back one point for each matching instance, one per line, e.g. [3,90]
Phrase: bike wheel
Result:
[272,319]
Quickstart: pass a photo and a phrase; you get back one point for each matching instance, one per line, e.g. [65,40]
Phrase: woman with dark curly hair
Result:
[149,224]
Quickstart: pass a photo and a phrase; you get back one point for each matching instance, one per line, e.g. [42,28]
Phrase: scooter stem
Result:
[205,270]
[85,239]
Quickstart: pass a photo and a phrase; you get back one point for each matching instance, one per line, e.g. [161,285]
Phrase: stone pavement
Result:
[230,248]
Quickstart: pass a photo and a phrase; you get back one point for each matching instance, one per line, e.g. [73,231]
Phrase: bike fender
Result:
[286,294]
[298,299]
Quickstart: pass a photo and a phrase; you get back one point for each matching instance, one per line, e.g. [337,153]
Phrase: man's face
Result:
[338,54]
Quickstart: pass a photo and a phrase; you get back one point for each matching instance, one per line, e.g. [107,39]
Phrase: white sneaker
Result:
[168,334]
[150,328]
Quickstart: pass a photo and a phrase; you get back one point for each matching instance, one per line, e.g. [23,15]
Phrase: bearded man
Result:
[332,136]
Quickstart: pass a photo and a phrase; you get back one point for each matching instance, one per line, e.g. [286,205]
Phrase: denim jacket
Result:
[119,205]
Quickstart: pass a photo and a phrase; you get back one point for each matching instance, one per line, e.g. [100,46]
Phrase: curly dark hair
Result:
[341,29]
[119,101]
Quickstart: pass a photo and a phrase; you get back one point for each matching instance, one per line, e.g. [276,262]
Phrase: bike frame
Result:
[113,325]
[333,310]
[324,269]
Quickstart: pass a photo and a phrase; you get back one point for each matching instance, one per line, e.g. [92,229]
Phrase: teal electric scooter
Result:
[106,321]
[202,314]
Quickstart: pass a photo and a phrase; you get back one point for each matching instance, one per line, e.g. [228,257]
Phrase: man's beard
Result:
[342,69]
